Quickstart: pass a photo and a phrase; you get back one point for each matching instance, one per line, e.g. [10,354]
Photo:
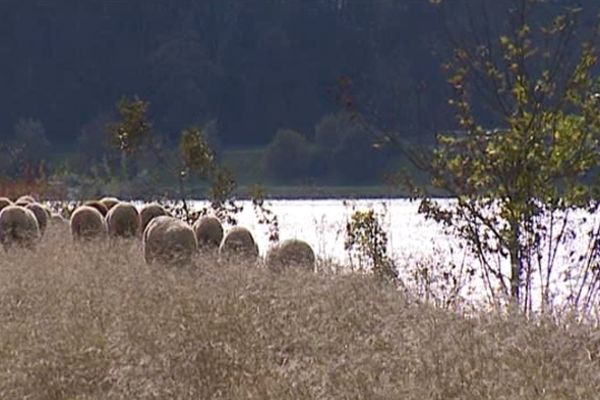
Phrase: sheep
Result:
[57,226]
[87,224]
[18,227]
[109,202]
[98,206]
[57,222]
[149,212]
[291,253]
[5,202]
[123,221]
[209,232]
[47,210]
[40,214]
[169,241]
[25,199]
[238,244]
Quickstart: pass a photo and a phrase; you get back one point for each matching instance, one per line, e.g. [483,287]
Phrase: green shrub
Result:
[345,151]
[288,156]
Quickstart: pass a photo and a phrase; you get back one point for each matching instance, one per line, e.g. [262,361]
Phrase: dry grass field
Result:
[100,324]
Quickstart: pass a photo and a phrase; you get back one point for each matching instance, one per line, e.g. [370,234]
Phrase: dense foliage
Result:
[254,66]
[519,188]
[242,70]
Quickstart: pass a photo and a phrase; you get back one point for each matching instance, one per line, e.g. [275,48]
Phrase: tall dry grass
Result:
[98,324]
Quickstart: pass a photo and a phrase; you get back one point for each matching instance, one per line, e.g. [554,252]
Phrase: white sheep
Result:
[150,211]
[57,219]
[87,224]
[25,199]
[109,202]
[169,241]
[238,245]
[40,214]
[58,226]
[5,202]
[291,253]
[98,206]
[57,223]
[209,232]
[18,227]
[123,221]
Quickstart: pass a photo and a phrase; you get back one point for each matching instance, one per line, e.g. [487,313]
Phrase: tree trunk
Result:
[516,264]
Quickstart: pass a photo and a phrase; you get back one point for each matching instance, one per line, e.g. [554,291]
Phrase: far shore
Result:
[287,192]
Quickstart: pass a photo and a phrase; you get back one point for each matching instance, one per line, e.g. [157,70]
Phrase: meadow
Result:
[98,323]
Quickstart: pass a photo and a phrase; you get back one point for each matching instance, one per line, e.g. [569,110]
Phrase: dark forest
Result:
[247,71]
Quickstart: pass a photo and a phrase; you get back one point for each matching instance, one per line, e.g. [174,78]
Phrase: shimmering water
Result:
[411,238]
[322,224]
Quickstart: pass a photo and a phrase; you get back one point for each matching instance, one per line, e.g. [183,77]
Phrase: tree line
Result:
[252,66]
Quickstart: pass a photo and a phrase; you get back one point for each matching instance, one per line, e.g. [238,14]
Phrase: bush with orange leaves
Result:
[33,180]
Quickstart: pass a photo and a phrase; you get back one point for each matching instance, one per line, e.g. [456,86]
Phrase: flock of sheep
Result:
[166,240]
